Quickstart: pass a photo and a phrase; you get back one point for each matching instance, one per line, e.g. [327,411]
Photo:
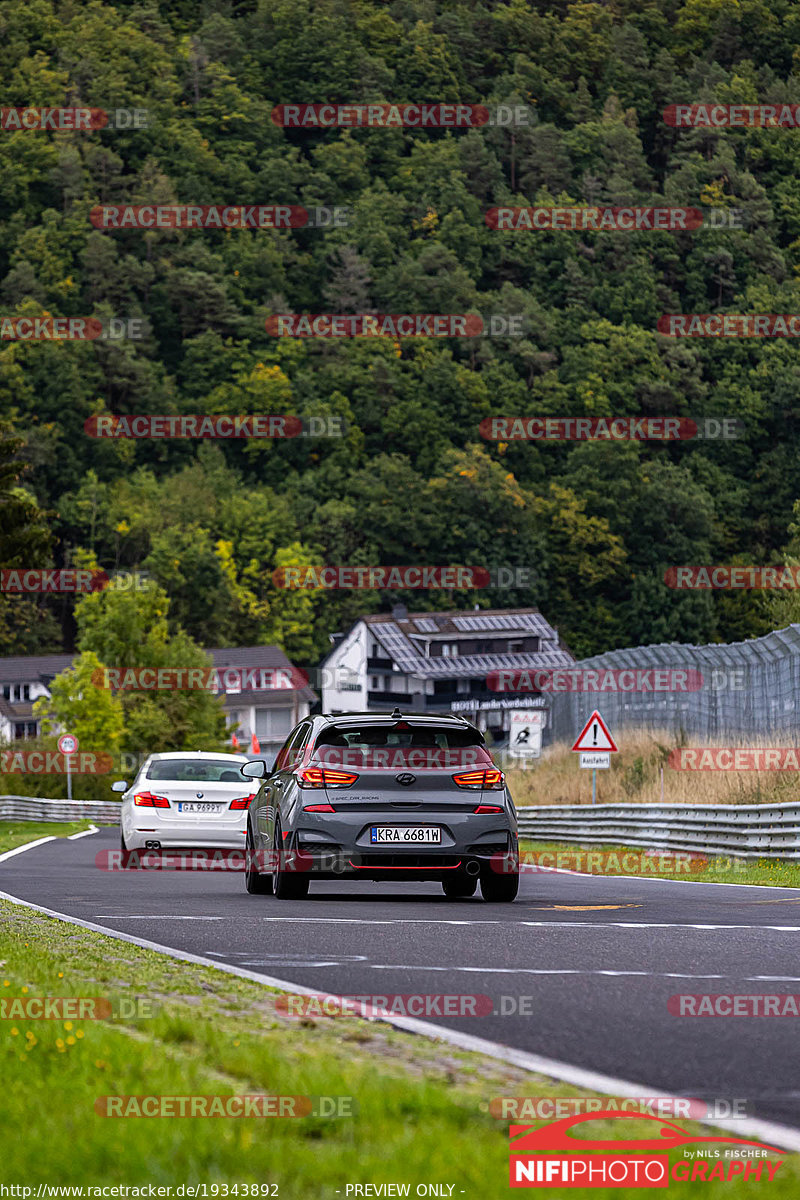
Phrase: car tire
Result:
[499,889]
[286,885]
[122,843]
[459,887]
[256,883]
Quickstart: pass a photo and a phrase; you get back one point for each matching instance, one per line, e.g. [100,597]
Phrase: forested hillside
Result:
[412,480]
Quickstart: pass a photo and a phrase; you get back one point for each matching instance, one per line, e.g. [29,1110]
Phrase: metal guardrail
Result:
[741,830]
[37,808]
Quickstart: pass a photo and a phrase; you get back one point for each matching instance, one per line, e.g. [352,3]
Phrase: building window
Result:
[375,682]
[443,687]
[273,724]
[449,649]
[25,729]
[234,718]
[515,647]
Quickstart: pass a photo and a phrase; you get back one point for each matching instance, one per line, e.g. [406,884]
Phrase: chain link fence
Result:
[743,691]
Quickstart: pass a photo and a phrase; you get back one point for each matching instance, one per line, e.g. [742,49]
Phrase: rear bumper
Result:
[413,865]
[174,836]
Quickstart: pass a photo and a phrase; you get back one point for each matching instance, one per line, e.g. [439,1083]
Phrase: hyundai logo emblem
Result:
[199,795]
[406,779]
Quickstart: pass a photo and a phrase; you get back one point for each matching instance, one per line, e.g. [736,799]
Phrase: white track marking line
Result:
[532,924]
[27,846]
[653,925]
[423,921]
[73,837]
[765,1131]
[578,971]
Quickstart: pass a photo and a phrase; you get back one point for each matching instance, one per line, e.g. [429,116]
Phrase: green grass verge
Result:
[17,833]
[575,856]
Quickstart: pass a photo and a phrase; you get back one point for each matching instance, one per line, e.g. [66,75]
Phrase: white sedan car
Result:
[186,799]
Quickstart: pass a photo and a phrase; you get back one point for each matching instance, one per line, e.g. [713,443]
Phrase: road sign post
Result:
[68,745]
[525,735]
[596,745]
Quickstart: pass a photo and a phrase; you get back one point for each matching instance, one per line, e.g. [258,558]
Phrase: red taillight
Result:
[149,800]
[488,808]
[320,777]
[243,801]
[318,808]
[492,779]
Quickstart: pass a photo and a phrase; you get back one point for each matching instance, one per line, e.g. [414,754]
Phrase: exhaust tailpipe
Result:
[473,868]
[152,845]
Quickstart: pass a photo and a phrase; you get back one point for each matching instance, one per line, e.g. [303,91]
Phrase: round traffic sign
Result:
[68,743]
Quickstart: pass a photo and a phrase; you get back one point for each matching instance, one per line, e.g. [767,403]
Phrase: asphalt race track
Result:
[598,978]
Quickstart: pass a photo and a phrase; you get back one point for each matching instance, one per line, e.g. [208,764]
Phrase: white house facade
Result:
[441,662]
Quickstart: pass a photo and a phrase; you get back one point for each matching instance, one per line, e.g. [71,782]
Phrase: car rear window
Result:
[187,770]
[401,735]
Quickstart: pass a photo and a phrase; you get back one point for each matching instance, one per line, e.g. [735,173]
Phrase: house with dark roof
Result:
[268,712]
[440,662]
[253,680]
[22,682]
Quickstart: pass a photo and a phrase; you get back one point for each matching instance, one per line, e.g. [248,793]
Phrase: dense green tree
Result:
[411,479]
[128,629]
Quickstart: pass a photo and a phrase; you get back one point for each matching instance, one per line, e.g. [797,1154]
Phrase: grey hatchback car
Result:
[379,796]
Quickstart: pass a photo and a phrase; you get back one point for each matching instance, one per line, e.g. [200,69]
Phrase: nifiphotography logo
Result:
[549,1157]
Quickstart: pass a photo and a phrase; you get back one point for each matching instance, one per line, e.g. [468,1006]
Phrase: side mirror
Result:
[257,769]
[119,786]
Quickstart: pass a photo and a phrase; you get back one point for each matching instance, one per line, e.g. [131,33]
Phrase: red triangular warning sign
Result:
[595,735]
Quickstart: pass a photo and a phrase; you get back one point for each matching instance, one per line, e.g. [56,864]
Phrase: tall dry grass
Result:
[634,777]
